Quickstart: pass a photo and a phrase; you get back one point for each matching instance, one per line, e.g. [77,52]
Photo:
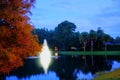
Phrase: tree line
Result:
[66,38]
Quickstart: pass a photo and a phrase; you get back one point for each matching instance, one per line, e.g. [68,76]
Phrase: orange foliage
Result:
[16,40]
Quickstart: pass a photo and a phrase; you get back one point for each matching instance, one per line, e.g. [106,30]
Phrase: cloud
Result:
[86,14]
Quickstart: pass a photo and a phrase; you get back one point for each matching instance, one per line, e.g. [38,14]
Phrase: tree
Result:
[41,33]
[84,36]
[92,36]
[75,43]
[117,39]
[100,34]
[44,33]
[63,34]
[106,38]
[16,40]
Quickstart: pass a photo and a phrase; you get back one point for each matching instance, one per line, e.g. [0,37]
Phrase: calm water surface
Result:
[65,68]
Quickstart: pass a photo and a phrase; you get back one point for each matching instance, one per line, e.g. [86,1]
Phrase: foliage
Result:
[100,33]
[16,40]
[95,40]
[84,36]
[93,36]
[117,39]
[44,33]
[65,38]
[64,34]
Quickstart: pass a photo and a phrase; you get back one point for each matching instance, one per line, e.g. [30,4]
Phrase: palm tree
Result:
[84,36]
[106,38]
[100,34]
[93,36]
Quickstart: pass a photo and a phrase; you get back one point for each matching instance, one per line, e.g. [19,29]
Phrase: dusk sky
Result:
[85,14]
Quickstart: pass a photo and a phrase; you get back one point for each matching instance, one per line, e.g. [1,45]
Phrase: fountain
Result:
[45,56]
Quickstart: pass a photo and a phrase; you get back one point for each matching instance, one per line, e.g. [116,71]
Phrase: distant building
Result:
[112,43]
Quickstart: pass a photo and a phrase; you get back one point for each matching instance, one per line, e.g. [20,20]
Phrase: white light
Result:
[45,56]
[56,54]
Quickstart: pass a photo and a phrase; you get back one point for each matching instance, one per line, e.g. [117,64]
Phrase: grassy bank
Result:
[90,53]
[114,75]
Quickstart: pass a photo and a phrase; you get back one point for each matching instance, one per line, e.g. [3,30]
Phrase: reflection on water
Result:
[50,76]
[81,75]
[65,68]
[115,65]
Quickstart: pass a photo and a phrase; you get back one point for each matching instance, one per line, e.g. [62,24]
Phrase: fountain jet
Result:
[45,56]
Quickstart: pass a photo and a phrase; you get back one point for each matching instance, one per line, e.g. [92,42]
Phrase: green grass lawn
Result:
[114,75]
[89,53]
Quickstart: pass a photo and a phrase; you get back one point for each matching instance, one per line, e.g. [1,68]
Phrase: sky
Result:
[85,14]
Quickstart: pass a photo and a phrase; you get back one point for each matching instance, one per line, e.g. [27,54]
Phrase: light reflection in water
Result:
[82,76]
[45,56]
[115,65]
[50,76]
[64,68]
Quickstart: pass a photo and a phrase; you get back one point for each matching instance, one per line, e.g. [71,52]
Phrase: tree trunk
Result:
[85,46]
[91,45]
[105,47]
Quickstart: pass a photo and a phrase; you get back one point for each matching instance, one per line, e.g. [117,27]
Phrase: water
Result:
[65,68]
[45,56]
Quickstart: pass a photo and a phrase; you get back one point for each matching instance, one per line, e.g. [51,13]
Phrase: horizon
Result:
[86,15]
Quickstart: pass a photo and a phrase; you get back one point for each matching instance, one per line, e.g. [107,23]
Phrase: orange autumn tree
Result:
[16,40]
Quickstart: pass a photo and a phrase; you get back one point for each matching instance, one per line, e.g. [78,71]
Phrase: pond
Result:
[65,68]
